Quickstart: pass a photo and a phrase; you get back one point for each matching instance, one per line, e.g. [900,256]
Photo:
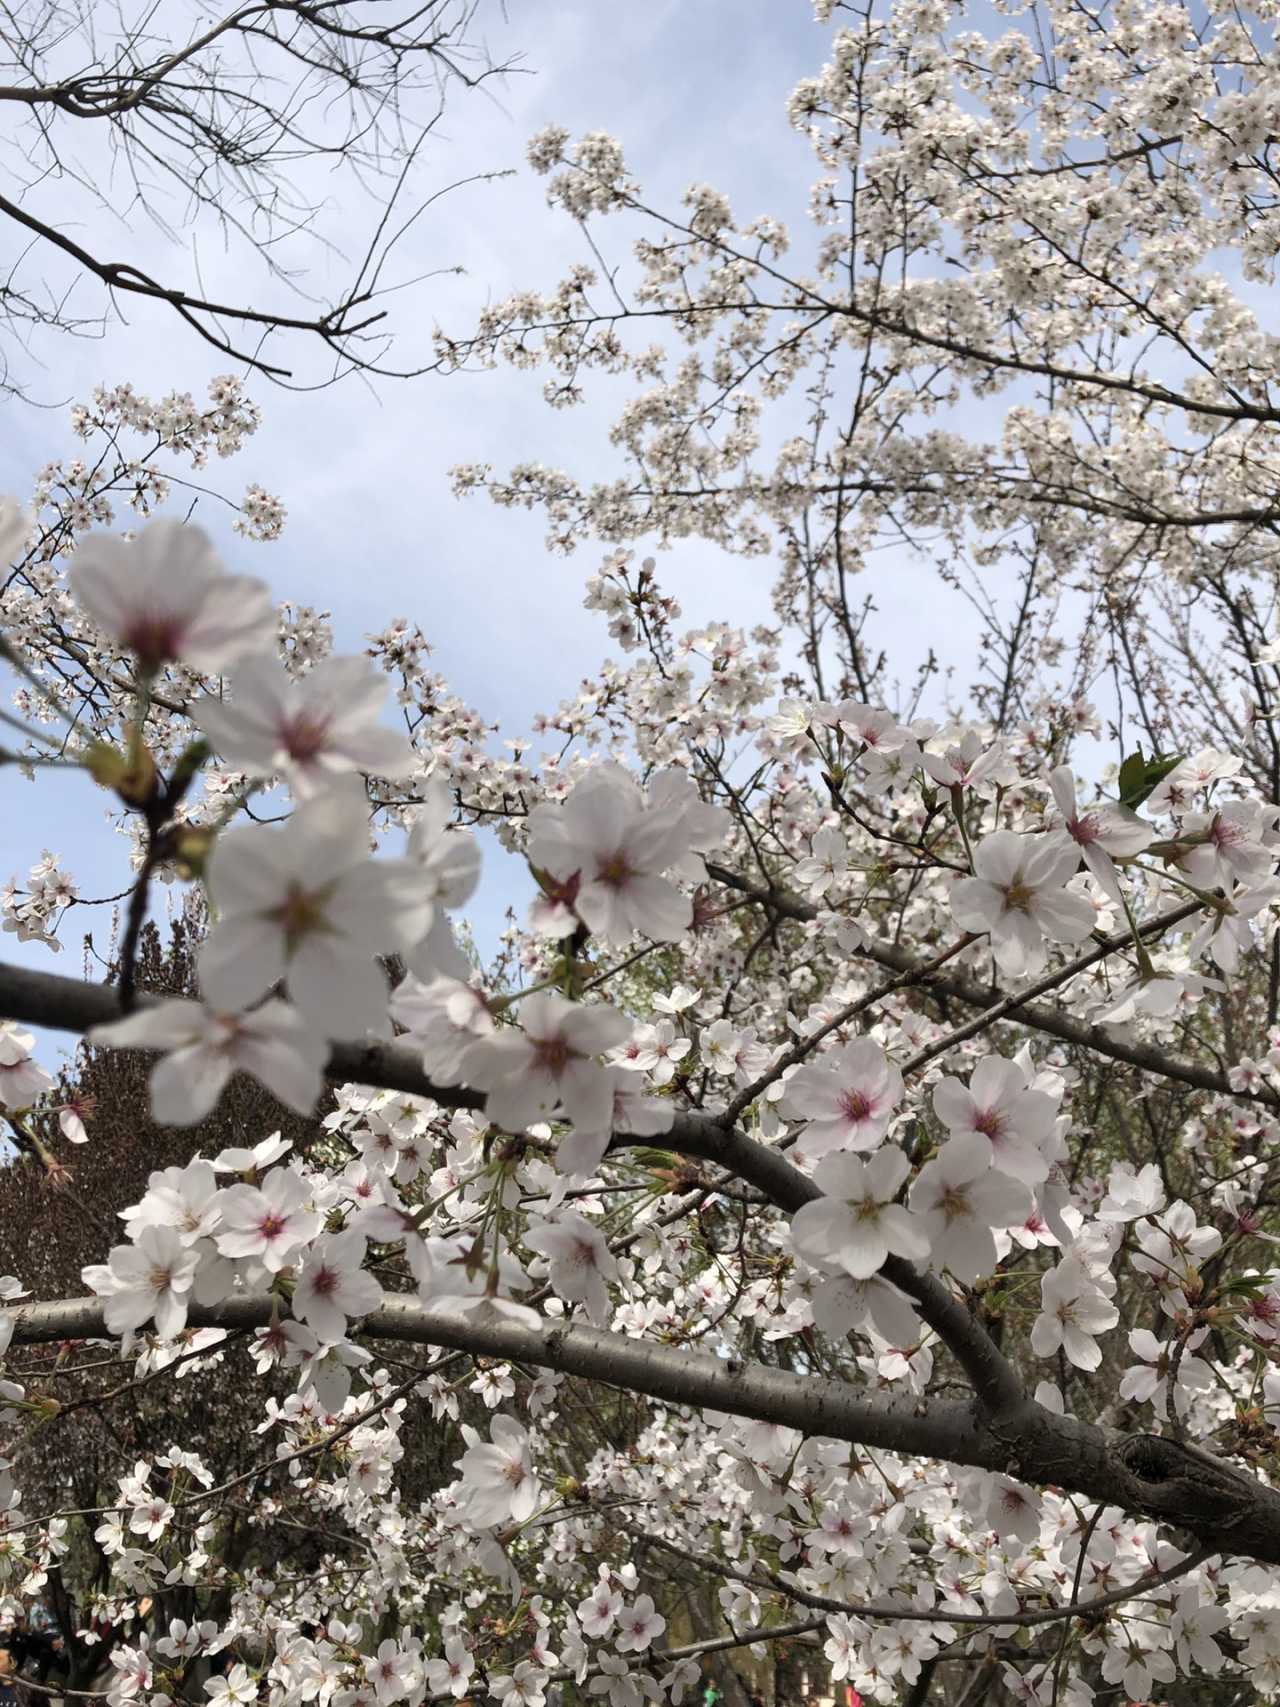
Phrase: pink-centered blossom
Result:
[166,598]
[305,729]
[639,1625]
[604,852]
[270,1221]
[857,1223]
[498,1481]
[581,1263]
[549,1062]
[1009,1121]
[847,1098]
[1104,833]
[333,1285]
[1018,895]
[202,1048]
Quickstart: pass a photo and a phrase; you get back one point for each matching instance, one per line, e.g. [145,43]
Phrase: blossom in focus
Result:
[1104,833]
[269,1222]
[166,597]
[848,1098]
[498,1483]
[1238,845]
[639,1625]
[601,1607]
[549,1062]
[1018,895]
[148,1279]
[451,1674]
[857,1223]
[305,729]
[333,1285]
[605,849]
[959,1198]
[1074,1310]
[202,1048]
[999,1112]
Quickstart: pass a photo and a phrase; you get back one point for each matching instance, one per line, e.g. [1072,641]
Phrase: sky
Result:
[373,530]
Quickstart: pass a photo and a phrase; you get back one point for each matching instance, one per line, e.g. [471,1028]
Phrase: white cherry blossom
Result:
[166,598]
[847,1098]
[306,730]
[307,905]
[1018,894]
[202,1048]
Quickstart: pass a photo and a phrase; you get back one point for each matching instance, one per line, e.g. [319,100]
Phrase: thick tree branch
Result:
[43,998]
[1222,1507]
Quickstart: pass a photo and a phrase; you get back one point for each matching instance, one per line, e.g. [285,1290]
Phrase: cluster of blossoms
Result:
[488,1200]
[856,1049]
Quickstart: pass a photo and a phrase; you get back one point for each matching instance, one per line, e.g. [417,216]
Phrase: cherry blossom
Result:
[997,1112]
[848,1098]
[271,724]
[857,1223]
[581,1263]
[22,1079]
[451,1674]
[606,849]
[958,1198]
[306,904]
[498,1478]
[1147,1382]
[332,1286]
[1073,1311]
[1018,895]
[149,1279]
[549,1062]
[166,597]
[639,1625]
[1103,833]
[202,1048]
[268,1222]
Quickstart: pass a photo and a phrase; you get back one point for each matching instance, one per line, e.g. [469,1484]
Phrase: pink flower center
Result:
[553,1055]
[304,736]
[856,1105]
[1085,830]
[156,636]
[990,1122]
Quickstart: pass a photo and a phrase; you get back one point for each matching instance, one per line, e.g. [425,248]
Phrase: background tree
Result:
[239,124]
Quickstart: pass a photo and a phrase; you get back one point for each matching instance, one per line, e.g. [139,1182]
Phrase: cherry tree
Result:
[841,1214]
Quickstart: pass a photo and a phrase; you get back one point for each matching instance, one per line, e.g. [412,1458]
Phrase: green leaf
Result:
[1140,774]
